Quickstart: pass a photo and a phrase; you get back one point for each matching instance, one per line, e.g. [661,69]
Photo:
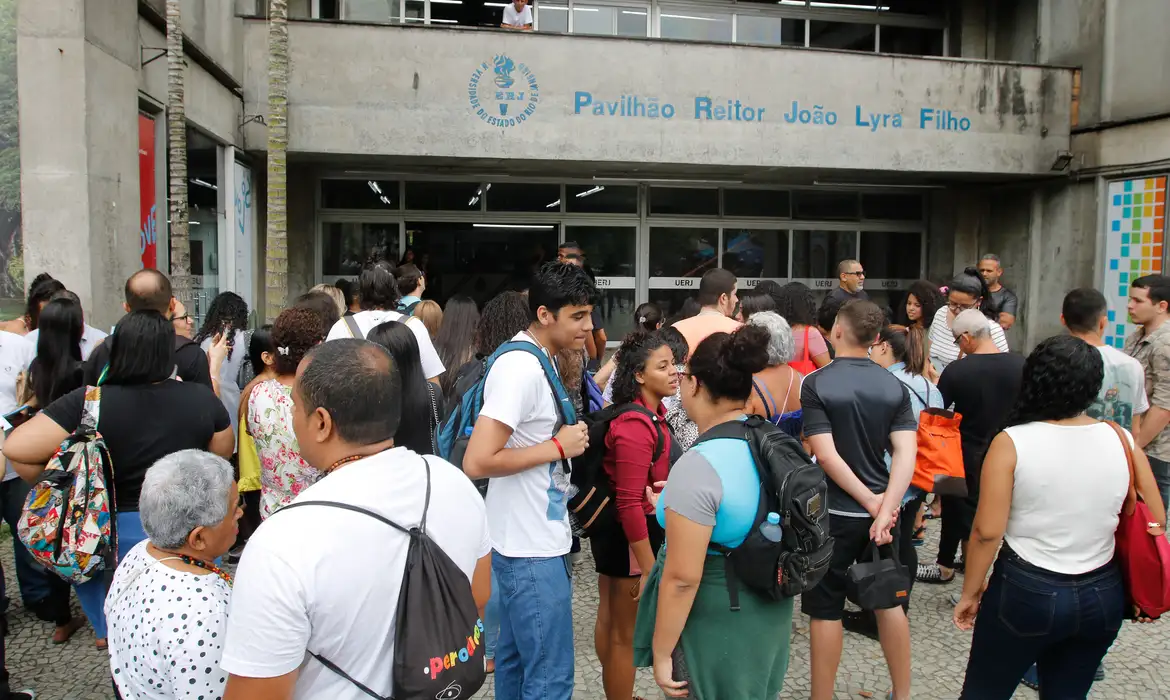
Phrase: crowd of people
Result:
[220,439]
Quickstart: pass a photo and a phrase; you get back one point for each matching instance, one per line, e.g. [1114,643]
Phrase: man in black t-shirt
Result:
[982,385]
[1003,300]
[151,290]
[850,283]
[854,410]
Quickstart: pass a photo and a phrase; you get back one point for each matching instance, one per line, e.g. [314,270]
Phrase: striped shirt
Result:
[943,350]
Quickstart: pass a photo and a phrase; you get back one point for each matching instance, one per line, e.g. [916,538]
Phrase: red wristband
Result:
[559,448]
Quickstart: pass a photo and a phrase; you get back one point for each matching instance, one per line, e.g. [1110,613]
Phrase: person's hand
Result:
[641,587]
[881,530]
[966,610]
[873,504]
[653,493]
[574,439]
[218,351]
[664,677]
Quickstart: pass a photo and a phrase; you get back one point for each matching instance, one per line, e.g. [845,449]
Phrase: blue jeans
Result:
[491,621]
[92,593]
[1162,476]
[534,654]
[1062,623]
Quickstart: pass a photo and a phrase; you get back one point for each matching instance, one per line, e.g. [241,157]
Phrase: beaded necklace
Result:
[199,564]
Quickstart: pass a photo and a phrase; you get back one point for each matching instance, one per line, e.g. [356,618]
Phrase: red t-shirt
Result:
[629,447]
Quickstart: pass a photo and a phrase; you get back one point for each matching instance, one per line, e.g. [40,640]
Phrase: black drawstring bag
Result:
[438,640]
[878,583]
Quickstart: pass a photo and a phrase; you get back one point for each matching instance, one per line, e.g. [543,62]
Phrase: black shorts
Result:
[611,549]
[850,540]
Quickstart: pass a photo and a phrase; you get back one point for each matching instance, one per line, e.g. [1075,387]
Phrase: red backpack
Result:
[1144,558]
[804,365]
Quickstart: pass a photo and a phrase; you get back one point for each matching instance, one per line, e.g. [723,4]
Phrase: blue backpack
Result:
[456,431]
[592,394]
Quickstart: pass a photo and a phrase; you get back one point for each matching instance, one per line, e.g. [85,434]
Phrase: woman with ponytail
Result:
[685,627]
[966,291]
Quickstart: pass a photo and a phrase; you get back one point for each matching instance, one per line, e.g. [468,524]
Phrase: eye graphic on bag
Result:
[451,692]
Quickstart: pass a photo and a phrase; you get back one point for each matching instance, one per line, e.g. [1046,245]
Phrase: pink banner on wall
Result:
[148,230]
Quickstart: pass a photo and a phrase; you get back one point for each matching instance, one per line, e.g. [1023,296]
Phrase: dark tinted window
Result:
[450,196]
[887,255]
[601,199]
[359,194]
[764,203]
[825,204]
[510,196]
[678,200]
[892,207]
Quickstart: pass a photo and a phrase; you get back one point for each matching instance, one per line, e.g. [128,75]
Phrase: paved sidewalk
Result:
[1136,669]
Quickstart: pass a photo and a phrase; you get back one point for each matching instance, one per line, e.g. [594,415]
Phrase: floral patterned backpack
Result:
[66,522]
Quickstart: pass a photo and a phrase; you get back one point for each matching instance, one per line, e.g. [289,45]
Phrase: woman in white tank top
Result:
[1052,487]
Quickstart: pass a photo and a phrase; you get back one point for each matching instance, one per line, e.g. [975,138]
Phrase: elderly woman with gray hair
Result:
[778,380]
[167,607]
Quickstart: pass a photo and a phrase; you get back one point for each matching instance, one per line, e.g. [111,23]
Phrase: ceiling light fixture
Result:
[550,205]
[586,193]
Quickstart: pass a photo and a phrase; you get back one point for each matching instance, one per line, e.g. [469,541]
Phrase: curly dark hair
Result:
[678,344]
[295,333]
[635,349]
[1062,378]
[228,310]
[794,301]
[969,281]
[505,315]
[927,294]
[724,363]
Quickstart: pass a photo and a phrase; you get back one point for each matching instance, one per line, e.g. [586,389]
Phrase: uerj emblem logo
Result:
[503,93]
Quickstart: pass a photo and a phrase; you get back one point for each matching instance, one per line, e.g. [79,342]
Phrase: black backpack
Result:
[438,626]
[794,487]
[593,507]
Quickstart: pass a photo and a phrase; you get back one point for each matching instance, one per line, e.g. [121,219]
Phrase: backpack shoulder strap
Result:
[568,414]
[660,443]
[926,401]
[346,506]
[354,329]
[91,408]
[770,406]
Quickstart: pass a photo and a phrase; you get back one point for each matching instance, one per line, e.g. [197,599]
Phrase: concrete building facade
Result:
[665,136]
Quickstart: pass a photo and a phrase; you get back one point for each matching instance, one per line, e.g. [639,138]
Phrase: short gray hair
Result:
[993,258]
[781,346]
[181,492]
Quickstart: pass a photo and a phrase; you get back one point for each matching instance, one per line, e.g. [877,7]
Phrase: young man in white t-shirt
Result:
[1122,398]
[521,442]
[518,15]
[378,291]
[325,580]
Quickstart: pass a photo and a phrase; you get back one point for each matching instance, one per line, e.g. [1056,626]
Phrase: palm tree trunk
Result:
[177,156]
[276,246]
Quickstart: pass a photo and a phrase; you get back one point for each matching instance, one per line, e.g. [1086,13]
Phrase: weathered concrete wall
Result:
[302,231]
[213,26]
[1062,255]
[1073,34]
[210,106]
[1137,62]
[406,91]
[79,146]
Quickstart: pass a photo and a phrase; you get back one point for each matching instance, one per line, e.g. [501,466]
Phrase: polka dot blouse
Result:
[166,630]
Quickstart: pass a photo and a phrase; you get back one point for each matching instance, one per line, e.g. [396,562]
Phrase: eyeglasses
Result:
[859,273]
[959,337]
[182,319]
[957,308]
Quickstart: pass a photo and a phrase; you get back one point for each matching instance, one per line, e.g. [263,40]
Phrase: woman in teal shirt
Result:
[686,629]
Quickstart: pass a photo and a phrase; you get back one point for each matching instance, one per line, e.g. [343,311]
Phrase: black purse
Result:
[878,583]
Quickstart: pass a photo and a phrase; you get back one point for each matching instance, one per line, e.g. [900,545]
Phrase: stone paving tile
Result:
[1136,668]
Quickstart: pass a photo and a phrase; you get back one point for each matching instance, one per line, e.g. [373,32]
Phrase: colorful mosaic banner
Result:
[1133,245]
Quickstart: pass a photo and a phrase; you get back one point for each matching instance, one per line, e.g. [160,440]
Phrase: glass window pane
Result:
[682,252]
[679,200]
[632,21]
[815,254]
[593,20]
[755,252]
[609,251]
[682,23]
[887,255]
[450,196]
[842,35]
[371,10]
[617,312]
[825,204]
[359,194]
[480,259]
[512,196]
[553,18]
[773,31]
[756,203]
[916,41]
[892,207]
[601,199]
[346,246]
[671,300]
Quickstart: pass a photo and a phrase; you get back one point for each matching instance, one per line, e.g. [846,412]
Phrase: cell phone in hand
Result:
[13,420]
[679,672]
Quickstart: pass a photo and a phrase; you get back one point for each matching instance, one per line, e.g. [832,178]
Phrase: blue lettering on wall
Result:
[719,109]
